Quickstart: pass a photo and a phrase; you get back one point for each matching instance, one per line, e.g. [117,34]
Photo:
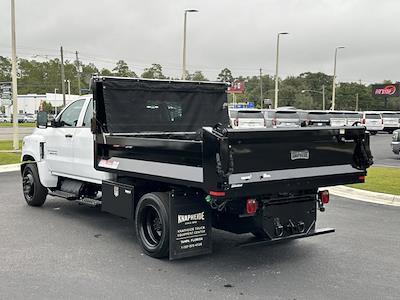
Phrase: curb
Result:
[366,196]
[9,168]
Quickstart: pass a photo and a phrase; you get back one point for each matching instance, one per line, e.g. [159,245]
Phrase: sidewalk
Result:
[9,168]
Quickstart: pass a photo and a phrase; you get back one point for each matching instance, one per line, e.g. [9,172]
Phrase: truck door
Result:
[59,140]
[83,146]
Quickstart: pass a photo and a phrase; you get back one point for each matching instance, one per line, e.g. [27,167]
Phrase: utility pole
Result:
[261,89]
[323,97]
[334,78]
[357,102]
[78,72]
[184,42]
[14,78]
[277,69]
[62,75]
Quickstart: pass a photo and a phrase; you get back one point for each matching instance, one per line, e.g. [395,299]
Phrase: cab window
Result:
[70,116]
[88,115]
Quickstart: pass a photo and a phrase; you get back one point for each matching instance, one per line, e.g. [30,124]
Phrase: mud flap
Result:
[190,226]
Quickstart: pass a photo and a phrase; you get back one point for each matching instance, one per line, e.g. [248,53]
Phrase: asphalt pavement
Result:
[65,250]
[382,151]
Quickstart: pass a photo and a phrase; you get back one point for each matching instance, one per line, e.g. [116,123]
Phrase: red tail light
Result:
[236,122]
[324,196]
[251,206]
[361,178]
[217,194]
[273,122]
[363,121]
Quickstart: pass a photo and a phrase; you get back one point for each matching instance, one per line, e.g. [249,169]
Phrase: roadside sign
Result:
[237,87]
[386,90]
[5,90]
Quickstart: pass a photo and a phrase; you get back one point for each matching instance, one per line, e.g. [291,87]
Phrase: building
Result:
[29,104]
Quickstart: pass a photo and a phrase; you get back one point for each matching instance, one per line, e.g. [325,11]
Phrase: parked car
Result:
[29,118]
[390,121]
[337,118]
[353,117]
[4,118]
[269,116]
[246,118]
[396,142]
[286,118]
[318,118]
[372,121]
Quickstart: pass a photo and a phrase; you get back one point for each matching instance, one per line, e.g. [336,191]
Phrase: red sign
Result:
[386,90]
[236,88]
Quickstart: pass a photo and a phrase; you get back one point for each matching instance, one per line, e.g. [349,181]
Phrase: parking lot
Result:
[64,250]
[382,152]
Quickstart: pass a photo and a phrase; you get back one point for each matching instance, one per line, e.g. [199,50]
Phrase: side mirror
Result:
[42,119]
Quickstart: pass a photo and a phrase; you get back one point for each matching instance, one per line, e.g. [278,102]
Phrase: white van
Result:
[390,121]
[372,120]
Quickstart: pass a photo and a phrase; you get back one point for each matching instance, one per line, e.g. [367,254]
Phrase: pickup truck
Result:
[161,153]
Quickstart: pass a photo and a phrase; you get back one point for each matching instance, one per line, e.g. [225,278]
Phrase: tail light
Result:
[251,206]
[273,122]
[382,121]
[323,196]
[363,121]
[236,122]
[361,178]
[265,123]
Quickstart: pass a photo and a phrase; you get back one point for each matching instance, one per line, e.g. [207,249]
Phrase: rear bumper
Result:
[291,237]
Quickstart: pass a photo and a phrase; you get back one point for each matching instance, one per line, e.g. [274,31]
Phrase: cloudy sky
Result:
[240,35]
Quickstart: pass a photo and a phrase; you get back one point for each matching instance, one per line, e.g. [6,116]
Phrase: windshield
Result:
[390,115]
[250,114]
[318,116]
[372,116]
[286,115]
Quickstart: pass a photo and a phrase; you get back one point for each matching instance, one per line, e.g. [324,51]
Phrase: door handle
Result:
[68,135]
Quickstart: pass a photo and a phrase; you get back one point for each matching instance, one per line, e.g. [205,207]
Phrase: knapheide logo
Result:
[386,90]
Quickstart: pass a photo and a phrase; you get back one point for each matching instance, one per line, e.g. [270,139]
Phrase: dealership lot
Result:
[64,250]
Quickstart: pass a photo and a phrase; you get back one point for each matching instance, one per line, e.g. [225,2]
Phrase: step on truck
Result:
[162,153]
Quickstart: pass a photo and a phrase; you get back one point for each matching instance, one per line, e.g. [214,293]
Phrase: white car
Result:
[246,118]
[390,121]
[4,118]
[372,121]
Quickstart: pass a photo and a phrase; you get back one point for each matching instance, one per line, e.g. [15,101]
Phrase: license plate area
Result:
[285,219]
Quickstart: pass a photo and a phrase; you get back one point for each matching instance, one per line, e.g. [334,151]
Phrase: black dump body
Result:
[177,133]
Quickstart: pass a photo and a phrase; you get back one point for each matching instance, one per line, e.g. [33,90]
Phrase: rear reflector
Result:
[251,206]
[324,196]
[217,194]
[361,178]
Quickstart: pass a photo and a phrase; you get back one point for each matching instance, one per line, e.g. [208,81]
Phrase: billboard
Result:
[236,88]
[386,90]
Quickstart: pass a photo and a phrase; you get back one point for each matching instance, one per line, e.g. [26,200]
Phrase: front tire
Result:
[152,224]
[34,192]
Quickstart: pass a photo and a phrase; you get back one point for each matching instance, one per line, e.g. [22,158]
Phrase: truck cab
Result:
[65,146]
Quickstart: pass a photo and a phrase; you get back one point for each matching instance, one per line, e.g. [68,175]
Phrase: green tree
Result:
[154,72]
[122,69]
[225,75]
[198,76]
[47,107]
[106,72]
[5,69]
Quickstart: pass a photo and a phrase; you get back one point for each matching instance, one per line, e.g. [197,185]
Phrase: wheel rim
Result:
[28,185]
[151,227]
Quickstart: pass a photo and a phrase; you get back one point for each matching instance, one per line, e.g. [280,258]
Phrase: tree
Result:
[122,69]
[154,72]
[5,69]
[106,72]
[47,107]
[225,75]
[198,76]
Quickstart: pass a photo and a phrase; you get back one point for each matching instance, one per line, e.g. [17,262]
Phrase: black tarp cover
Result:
[134,105]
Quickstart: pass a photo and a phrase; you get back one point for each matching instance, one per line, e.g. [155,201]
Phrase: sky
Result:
[240,35]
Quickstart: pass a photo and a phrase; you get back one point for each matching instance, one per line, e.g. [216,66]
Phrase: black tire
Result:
[34,192]
[152,224]
[373,132]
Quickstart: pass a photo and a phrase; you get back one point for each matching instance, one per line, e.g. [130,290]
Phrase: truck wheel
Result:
[152,224]
[34,192]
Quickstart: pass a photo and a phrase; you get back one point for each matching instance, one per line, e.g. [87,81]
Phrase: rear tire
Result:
[152,224]
[34,192]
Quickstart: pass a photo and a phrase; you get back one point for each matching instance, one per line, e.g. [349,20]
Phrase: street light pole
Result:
[277,69]
[323,97]
[261,89]
[69,89]
[334,78]
[184,42]
[14,78]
